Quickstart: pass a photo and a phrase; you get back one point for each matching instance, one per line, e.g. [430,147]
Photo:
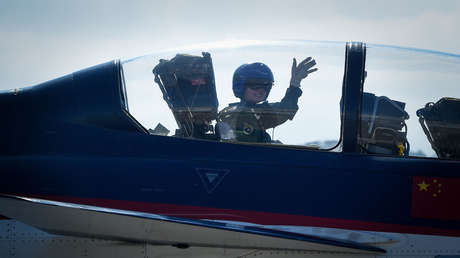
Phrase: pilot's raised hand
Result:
[301,71]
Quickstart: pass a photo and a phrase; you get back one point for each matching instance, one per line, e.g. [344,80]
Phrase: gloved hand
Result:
[301,71]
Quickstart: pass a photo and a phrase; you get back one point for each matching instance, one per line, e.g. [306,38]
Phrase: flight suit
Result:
[247,122]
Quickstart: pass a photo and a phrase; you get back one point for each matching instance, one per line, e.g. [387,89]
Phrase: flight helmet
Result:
[251,74]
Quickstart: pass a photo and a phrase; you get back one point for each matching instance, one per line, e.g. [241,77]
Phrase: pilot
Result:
[247,120]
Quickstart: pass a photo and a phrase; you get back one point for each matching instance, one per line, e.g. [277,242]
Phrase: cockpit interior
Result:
[409,106]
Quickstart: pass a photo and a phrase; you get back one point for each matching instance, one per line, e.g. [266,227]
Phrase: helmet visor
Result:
[258,83]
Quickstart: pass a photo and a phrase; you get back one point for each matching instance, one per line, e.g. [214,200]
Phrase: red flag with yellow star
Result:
[436,198]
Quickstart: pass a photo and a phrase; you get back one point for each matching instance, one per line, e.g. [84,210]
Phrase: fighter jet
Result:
[136,157]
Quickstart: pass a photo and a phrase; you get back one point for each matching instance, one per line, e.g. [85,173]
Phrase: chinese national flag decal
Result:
[435,198]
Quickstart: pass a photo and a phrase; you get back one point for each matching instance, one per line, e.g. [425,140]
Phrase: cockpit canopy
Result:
[409,102]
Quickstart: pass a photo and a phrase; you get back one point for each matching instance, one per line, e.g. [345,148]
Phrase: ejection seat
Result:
[383,127]
[188,86]
[441,123]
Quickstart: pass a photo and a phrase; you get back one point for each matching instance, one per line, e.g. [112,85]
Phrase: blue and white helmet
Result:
[255,73]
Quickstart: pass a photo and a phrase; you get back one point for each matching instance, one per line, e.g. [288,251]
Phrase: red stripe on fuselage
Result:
[264,218]
[1,217]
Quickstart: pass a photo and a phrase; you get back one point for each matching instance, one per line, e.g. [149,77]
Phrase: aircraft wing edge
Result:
[98,222]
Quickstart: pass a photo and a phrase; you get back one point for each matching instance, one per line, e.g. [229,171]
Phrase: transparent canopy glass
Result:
[414,78]
[317,121]
[399,83]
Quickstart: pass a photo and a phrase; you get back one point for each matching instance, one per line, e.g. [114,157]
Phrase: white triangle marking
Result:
[211,176]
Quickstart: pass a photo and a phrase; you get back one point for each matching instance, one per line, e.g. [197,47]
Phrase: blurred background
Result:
[41,40]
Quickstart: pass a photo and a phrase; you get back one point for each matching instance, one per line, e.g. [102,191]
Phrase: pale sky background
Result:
[41,40]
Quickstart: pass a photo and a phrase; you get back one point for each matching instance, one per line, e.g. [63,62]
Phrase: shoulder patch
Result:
[248,129]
